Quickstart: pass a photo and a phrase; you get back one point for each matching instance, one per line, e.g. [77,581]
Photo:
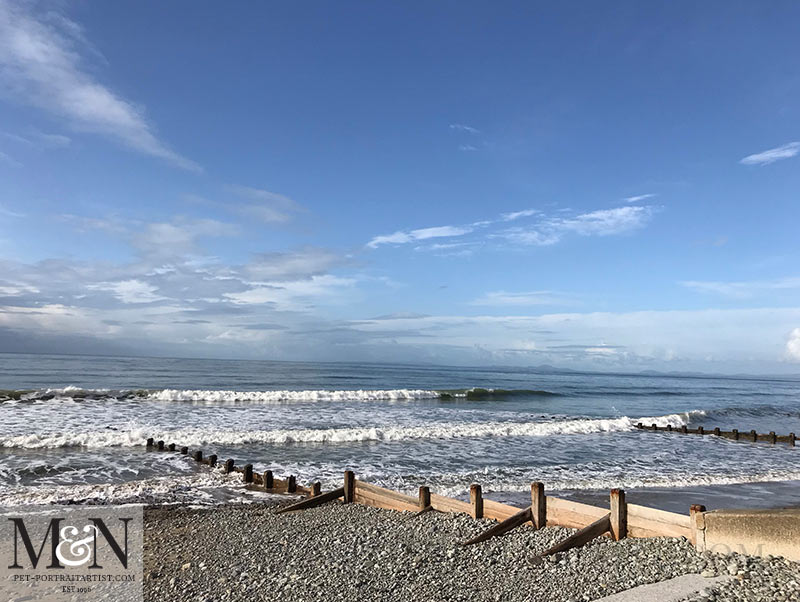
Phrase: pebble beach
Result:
[348,551]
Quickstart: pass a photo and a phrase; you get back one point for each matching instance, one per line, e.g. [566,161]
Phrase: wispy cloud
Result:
[638,197]
[39,140]
[743,289]
[467,147]
[266,206]
[514,215]
[403,237]
[504,298]
[787,151]
[9,160]
[41,64]
[460,127]
[9,213]
[604,222]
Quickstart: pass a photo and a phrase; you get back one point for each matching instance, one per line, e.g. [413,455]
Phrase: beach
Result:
[348,551]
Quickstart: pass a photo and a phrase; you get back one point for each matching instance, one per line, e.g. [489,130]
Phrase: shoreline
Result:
[345,551]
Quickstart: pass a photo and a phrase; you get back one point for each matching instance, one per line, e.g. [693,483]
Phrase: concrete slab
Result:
[671,590]
[753,532]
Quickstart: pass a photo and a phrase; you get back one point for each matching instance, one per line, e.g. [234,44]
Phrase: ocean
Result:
[73,429]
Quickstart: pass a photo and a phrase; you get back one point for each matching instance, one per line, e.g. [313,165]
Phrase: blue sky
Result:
[600,186]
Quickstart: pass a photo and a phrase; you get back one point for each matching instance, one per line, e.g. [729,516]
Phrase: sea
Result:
[73,429]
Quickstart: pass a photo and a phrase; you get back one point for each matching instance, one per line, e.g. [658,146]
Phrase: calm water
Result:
[75,428]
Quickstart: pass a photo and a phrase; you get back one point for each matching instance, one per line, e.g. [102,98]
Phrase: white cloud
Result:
[460,127]
[130,291]
[467,148]
[9,160]
[766,157]
[9,213]
[421,234]
[638,197]
[41,140]
[266,206]
[604,222]
[514,215]
[793,346]
[293,265]
[743,289]
[41,64]
[503,298]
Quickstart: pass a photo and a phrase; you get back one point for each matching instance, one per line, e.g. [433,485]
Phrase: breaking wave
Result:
[447,430]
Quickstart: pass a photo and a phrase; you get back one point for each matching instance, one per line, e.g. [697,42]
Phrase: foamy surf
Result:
[447,430]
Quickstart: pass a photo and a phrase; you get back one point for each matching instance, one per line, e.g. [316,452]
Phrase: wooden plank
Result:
[379,497]
[497,511]
[662,516]
[583,536]
[448,504]
[317,500]
[575,515]
[619,514]
[520,518]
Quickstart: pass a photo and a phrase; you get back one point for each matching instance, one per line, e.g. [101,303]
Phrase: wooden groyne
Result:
[620,520]
[735,434]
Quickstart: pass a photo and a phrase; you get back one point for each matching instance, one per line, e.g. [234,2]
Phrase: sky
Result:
[599,186]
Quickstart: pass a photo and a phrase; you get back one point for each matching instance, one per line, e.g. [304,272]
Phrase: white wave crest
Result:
[291,396]
[447,430]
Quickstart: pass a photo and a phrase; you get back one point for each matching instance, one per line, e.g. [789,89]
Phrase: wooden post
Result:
[792,439]
[701,430]
[184,450]
[654,427]
[538,505]
[698,526]
[248,473]
[754,435]
[476,499]
[150,442]
[316,489]
[349,486]
[639,425]
[773,437]
[717,431]
[160,446]
[619,515]
[171,447]
[684,429]
[735,434]
[229,466]
[269,483]
[291,486]
[198,455]
[424,497]
[669,427]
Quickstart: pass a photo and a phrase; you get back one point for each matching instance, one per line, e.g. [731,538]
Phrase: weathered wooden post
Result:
[198,455]
[476,499]
[654,427]
[684,429]
[754,435]
[229,466]
[538,505]
[150,442]
[316,489]
[184,450]
[424,497]
[212,460]
[773,438]
[735,434]
[171,447]
[669,427]
[248,473]
[291,486]
[717,431]
[269,483]
[698,526]
[349,486]
[792,439]
[619,515]
[639,425]
[160,446]
[701,430]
